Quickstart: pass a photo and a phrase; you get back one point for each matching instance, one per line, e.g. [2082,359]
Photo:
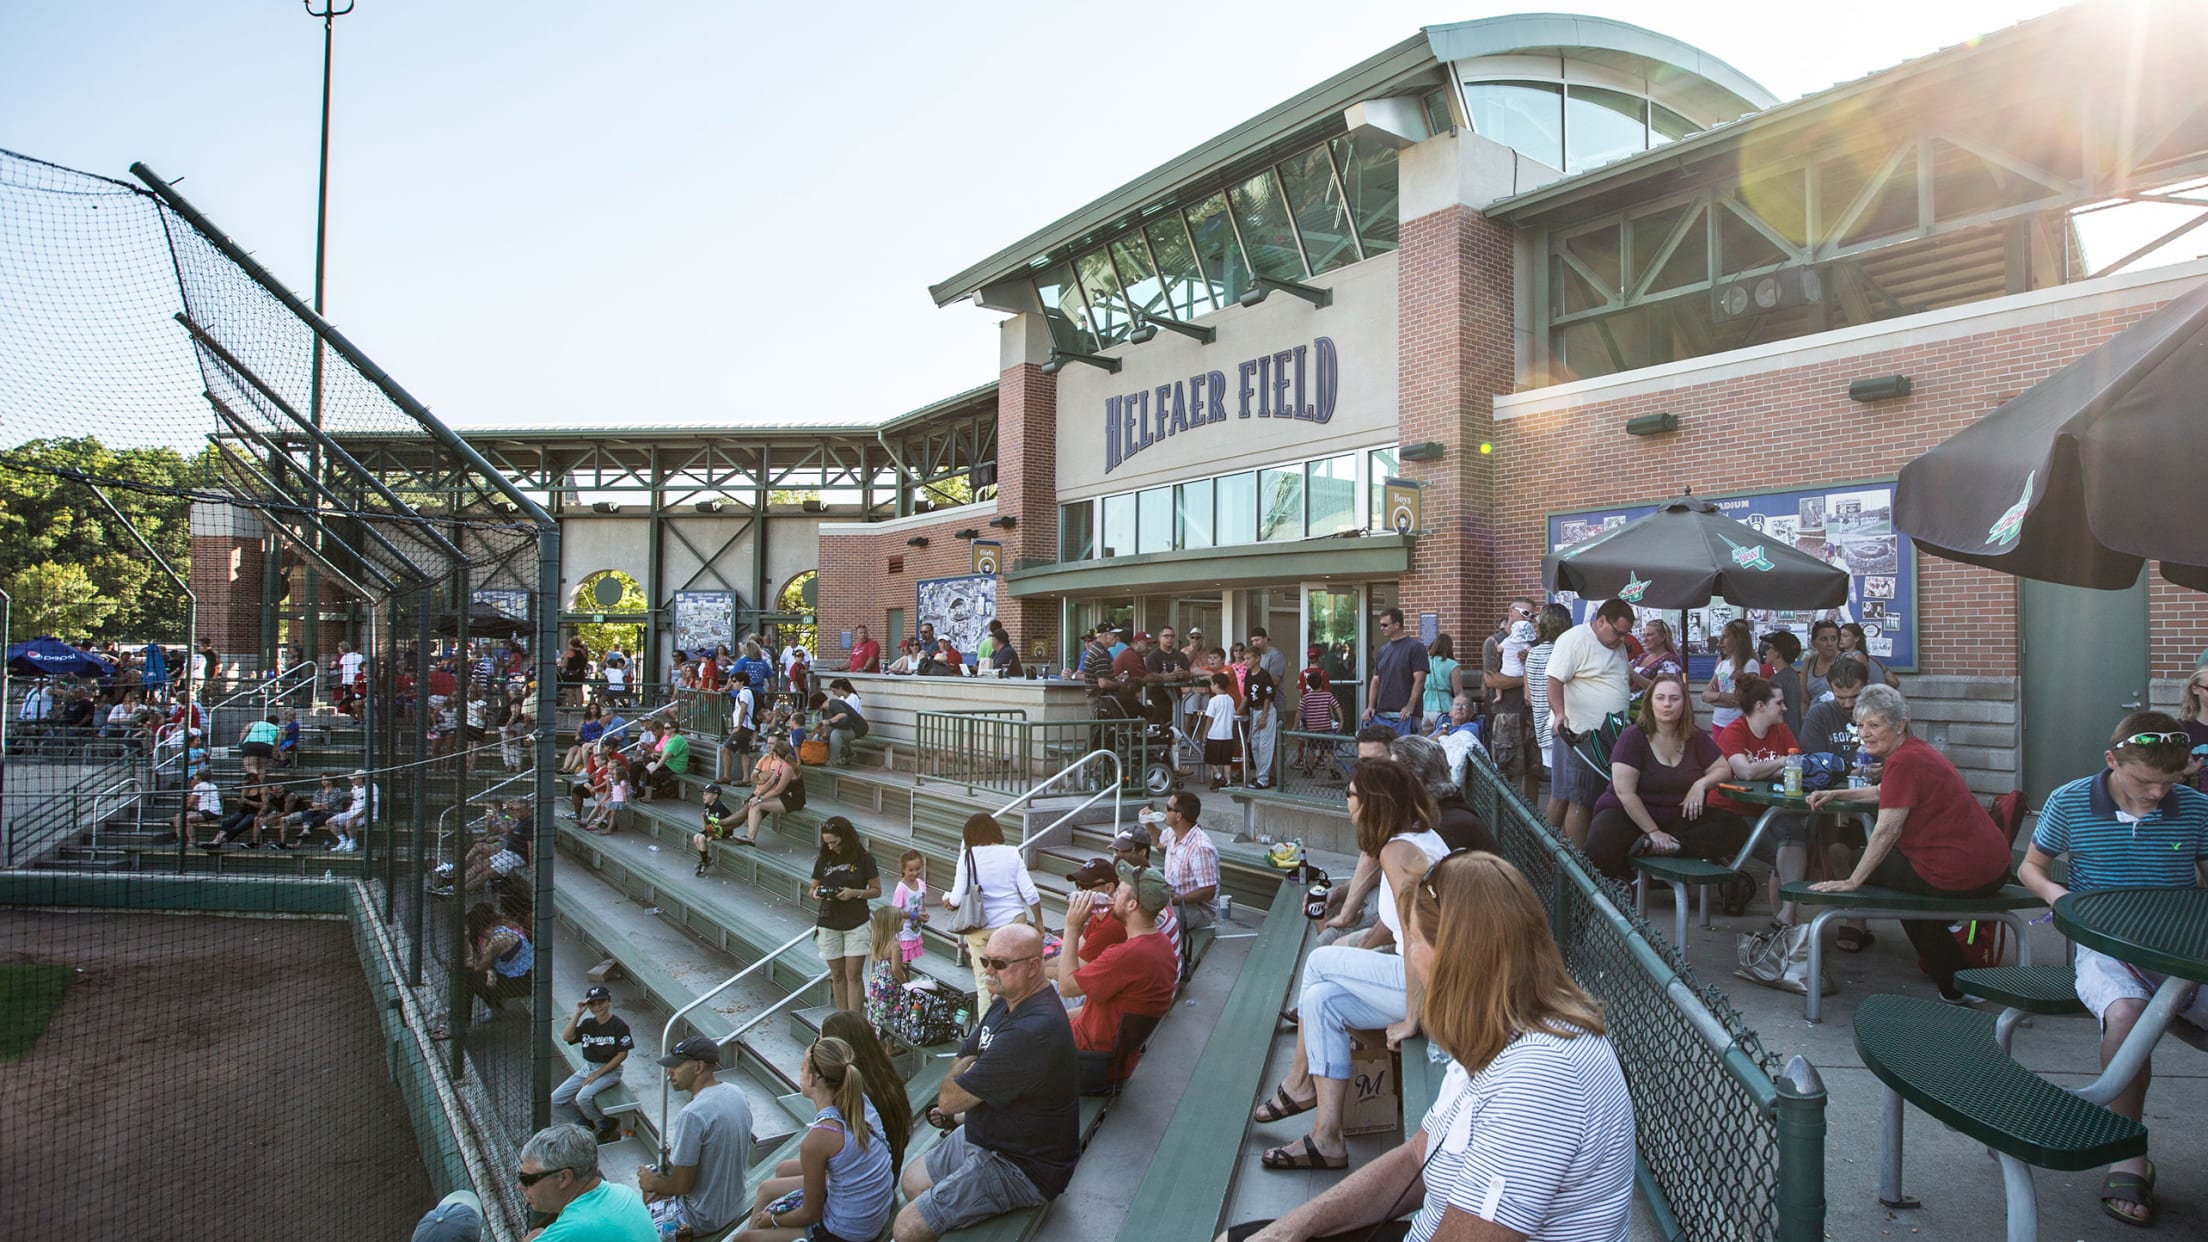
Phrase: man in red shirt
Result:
[1134,978]
[1103,929]
[866,654]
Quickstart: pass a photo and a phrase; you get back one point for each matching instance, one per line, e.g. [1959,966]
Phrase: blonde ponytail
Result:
[834,1064]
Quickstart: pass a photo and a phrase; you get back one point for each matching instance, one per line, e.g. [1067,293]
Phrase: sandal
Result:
[2133,1188]
[1281,1107]
[1290,1019]
[1309,1158]
[1854,939]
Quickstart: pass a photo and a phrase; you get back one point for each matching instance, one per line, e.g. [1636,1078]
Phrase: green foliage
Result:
[603,638]
[56,539]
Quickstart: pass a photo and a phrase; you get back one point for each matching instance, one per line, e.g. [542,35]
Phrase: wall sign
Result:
[705,621]
[960,609]
[1851,527]
[1298,384]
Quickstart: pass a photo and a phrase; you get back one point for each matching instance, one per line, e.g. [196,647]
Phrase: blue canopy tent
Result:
[47,656]
[155,671]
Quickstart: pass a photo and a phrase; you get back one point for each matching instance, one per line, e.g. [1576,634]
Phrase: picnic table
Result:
[1680,872]
[2158,929]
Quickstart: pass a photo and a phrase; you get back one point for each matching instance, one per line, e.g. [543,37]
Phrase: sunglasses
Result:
[2156,739]
[1426,882]
[1003,963]
[531,1179]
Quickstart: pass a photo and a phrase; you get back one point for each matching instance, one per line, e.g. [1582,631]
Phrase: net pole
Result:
[459,1011]
[422,647]
[543,856]
[7,633]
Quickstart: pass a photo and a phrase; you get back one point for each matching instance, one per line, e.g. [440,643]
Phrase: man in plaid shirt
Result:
[1191,860]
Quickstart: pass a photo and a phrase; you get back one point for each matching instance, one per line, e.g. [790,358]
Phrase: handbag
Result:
[1778,957]
[813,751]
[924,1016]
[967,915]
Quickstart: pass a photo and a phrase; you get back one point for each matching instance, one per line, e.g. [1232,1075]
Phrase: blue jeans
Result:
[1346,990]
[578,1096]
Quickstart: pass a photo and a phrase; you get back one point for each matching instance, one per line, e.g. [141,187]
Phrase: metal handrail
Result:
[137,796]
[773,1009]
[667,1032]
[1118,780]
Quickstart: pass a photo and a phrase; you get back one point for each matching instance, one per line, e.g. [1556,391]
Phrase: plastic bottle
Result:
[1793,774]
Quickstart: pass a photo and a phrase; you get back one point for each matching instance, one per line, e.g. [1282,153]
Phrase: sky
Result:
[573,214]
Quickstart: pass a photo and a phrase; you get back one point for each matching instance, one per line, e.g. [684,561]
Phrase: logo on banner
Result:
[1635,587]
[1400,499]
[1750,558]
[988,554]
[2011,524]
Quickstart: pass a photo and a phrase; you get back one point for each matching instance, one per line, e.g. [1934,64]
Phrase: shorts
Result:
[2103,980]
[793,798]
[1570,778]
[970,1185]
[833,943]
[1219,751]
[672,1213]
[718,829]
[506,862]
[739,740]
[255,750]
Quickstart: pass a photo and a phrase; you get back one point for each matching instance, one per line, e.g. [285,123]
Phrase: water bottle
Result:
[1793,774]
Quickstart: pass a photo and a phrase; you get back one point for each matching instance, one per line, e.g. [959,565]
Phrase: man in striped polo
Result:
[2132,825]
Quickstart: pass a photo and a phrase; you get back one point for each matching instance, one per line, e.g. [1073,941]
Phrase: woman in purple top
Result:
[1661,772]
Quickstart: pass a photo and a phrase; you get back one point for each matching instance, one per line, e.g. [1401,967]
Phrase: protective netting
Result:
[262,973]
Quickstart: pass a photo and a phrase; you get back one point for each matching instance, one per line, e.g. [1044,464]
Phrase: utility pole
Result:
[311,639]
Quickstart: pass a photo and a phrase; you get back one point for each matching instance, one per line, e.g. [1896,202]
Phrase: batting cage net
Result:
[270,888]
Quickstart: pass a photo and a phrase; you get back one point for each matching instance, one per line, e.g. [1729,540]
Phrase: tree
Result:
[48,519]
[604,637]
[57,599]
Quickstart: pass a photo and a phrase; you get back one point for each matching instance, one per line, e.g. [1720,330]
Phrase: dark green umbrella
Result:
[2086,475]
[1686,554]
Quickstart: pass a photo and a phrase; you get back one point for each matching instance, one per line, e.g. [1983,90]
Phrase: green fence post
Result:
[1801,1117]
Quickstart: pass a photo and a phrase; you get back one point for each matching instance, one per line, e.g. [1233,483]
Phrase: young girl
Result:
[910,897]
[607,817]
[885,971]
[1219,717]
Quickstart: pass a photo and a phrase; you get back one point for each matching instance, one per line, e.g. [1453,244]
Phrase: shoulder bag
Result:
[967,915]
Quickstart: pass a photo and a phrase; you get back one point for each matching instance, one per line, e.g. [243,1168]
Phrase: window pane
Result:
[1333,496]
[1119,525]
[1527,117]
[1217,250]
[1144,292]
[1186,294]
[1669,126]
[1063,311]
[1194,514]
[1381,465]
[1280,505]
[1328,236]
[1077,531]
[1107,309]
[1438,119]
[1369,180]
[1262,216]
[1154,520]
[1237,509]
[1601,126]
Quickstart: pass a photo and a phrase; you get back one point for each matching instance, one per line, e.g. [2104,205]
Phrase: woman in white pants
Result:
[1008,893]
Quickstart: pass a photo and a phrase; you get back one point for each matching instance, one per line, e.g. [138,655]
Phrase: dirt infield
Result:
[204,1077]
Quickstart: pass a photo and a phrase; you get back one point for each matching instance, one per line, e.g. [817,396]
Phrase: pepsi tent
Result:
[47,656]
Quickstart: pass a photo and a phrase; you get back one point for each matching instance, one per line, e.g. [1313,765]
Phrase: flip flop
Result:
[1309,1158]
[1290,1019]
[1854,939]
[2131,1188]
[1281,1107]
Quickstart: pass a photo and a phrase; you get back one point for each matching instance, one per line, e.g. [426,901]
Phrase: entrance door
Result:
[2085,667]
[1333,621]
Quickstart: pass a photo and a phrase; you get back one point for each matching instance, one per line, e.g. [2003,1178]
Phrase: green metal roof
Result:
[722,430]
[1257,564]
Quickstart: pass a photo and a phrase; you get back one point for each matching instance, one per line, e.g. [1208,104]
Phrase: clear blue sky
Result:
[569,213]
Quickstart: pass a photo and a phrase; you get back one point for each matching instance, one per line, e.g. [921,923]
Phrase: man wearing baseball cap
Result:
[1130,854]
[1132,979]
[606,1042]
[1102,931]
[701,1191]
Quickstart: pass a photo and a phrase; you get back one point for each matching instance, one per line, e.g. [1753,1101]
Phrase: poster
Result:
[960,609]
[1851,527]
[705,620]
[514,604]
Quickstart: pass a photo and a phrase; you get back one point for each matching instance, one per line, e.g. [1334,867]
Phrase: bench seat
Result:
[1872,902]
[1679,873]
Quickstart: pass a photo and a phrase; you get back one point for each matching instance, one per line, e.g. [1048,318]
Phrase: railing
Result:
[136,800]
[1114,787]
[1730,1144]
[667,1033]
[55,821]
[1313,765]
[1005,753]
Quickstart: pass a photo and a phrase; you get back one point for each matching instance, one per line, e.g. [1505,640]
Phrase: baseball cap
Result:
[1312,653]
[458,1217]
[1129,840]
[1092,873]
[695,1048]
[711,789]
[362,772]
[1152,893]
[599,993]
[1142,636]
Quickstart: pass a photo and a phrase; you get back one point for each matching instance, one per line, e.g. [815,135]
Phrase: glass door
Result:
[1333,622]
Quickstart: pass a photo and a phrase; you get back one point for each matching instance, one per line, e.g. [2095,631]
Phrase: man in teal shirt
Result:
[661,775]
[559,1177]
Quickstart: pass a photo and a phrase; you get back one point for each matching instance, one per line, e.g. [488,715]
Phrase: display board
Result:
[960,609]
[1851,526]
[514,604]
[705,620]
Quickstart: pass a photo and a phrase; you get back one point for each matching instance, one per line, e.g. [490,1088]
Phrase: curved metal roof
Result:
[1704,81]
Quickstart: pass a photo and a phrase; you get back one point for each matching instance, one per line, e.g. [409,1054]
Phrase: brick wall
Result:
[226,576]
[1793,425]
[857,587]
[1027,489]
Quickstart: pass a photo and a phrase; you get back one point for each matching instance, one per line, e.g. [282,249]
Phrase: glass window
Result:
[1107,309]
[1333,496]
[1237,509]
[1280,505]
[1218,250]
[1119,525]
[1527,117]
[1192,515]
[1601,126]
[1668,126]
[1186,293]
[1438,119]
[1261,213]
[1369,182]
[1132,256]
[1077,531]
[1063,311]
[1328,236]
[1380,465]
[1154,520]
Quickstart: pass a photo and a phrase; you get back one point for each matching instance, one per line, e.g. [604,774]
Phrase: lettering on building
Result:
[1296,385]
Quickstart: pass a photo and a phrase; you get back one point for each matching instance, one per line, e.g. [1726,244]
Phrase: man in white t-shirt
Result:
[1589,678]
[348,664]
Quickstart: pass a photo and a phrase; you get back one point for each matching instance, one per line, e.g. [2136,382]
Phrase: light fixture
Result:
[1429,451]
[814,504]
[917,541]
[507,506]
[1880,388]
[709,506]
[1059,358]
[1263,286]
[1146,330]
[1651,424]
[969,534]
[1004,521]
[606,506]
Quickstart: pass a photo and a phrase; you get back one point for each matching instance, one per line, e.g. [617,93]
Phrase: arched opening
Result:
[794,616]
[605,627]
